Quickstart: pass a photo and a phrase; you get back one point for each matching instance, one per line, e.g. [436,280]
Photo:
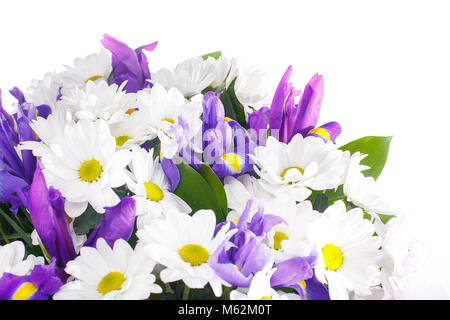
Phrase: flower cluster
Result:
[193,183]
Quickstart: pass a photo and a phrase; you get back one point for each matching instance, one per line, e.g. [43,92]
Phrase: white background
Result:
[386,67]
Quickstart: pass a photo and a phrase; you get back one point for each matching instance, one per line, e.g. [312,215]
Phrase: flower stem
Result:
[186,293]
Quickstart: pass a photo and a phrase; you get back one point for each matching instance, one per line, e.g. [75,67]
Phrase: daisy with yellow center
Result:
[109,273]
[84,166]
[151,188]
[183,244]
[349,254]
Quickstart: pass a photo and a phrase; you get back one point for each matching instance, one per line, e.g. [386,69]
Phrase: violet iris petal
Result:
[50,220]
[258,122]
[292,271]
[42,277]
[18,94]
[118,223]
[278,101]
[128,64]
[332,129]
[172,173]
[309,107]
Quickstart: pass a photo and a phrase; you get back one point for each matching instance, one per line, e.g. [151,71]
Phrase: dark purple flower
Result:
[128,64]
[118,223]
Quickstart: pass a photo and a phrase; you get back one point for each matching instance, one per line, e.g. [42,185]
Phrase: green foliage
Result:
[320,202]
[376,148]
[216,55]
[197,192]
[233,108]
[87,221]
[216,185]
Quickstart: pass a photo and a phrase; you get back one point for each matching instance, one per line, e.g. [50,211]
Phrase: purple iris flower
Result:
[16,173]
[128,64]
[238,264]
[42,283]
[52,225]
[226,144]
[171,171]
[286,118]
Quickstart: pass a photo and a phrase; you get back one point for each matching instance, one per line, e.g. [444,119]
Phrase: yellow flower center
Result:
[154,193]
[266,298]
[333,257]
[193,254]
[169,120]
[302,284]
[227,119]
[321,132]
[283,173]
[232,160]
[90,170]
[120,141]
[112,281]
[93,78]
[130,111]
[277,238]
[25,291]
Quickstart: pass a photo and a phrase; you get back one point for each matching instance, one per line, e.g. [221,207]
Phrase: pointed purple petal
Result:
[118,223]
[172,172]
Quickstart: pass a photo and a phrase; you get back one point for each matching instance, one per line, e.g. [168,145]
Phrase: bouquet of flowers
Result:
[192,183]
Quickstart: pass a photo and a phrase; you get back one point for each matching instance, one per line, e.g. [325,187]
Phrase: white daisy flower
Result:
[163,109]
[96,66]
[225,72]
[105,273]
[50,131]
[288,170]
[132,130]
[98,100]
[349,254]
[190,76]
[151,187]
[239,190]
[251,88]
[289,239]
[11,259]
[45,91]
[260,288]
[184,244]
[85,166]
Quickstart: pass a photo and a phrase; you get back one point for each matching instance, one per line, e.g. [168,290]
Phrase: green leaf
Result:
[216,185]
[233,108]
[216,55]
[385,217]
[87,221]
[335,195]
[320,202]
[26,237]
[376,148]
[196,191]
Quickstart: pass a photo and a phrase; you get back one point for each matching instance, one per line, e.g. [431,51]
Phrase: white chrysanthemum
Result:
[225,72]
[184,244]
[85,166]
[151,188]
[239,190]
[50,131]
[11,259]
[98,100]
[349,255]
[251,88]
[163,109]
[288,170]
[190,76]
[260,288]
[289,239]
[102,273]
[96,66]
[132,130]
[43,91]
